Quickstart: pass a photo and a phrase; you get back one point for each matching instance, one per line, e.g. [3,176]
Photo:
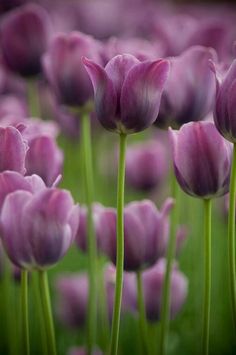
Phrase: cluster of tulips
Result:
[132,66]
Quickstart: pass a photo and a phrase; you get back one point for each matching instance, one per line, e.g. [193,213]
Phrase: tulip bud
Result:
[127,92]
[24,38]
[202,159]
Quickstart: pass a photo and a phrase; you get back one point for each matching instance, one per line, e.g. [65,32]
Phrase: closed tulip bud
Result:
[127,92]
[24,38]
[44,158]
[12,150]
[145,233]
[43,228]
[146,165]
[225,106]
[190,88]
[202,159]
[153,281]
[65,71]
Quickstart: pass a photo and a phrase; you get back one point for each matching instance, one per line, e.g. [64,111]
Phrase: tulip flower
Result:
[24,38]
[12,105]
[224,117]
[12,150]
[190,88]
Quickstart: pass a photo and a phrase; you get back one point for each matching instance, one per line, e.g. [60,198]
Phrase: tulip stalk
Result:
[92,252]
[142,313]
[24,312]
[207,276]
[165,309]
[33,97]
[47,310]
[231,235]
[120,247]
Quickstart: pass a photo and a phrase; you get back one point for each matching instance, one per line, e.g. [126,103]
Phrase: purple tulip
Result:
[12,150]
[146,165]
[44,158]
[190,88]
[24,38]
[145,233]
[127,92]
[225,107]
[153,280]
[13,106]
[31,129]
[202,159]
[43,227]
[64,69]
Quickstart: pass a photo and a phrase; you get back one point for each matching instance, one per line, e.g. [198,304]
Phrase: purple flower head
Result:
[225,106]
[202,159]
[44,158]
[43,228]
[153,280]
[13,106]
[146,165]
[145,233]
[12,150]
[190,88]
[24,38]
[64,69]
[127,92]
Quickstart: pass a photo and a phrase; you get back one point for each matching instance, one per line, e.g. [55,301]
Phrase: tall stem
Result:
[33,98]
[120,247]
[92,252]
[165,309]
[207,276]
[142,313]
[231,235]
[48,319]
[24,312]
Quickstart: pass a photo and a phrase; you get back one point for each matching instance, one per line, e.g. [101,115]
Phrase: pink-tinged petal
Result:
[141,94]
[104,94]
[36,183]
[12,150]
[15,243]
[73,220]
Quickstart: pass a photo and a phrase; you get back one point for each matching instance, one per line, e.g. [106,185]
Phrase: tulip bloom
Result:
[43,229]
[202,159]
[127,92]
[24,38]
[64,69]
[190,88]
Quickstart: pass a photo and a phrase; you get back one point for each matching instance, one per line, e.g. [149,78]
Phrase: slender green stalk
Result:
[92,252]
[24,312]
[231,235]
[142,313]
[165,309]
[47,311]
[120,247]
[33,98]
[207,276]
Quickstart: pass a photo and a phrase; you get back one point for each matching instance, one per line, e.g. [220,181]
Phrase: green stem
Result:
[231,235]
[47,311]
[142,313]
[33,98]
[207,276]
[120,247]
[24,312]
[92,250]
[165,309]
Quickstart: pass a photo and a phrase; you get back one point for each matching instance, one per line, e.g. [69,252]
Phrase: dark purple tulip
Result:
[190,88]
[64,69]
[127,92]
[24,38]
[44,158]
[225,106]
[153,280]
[43,227]
[145,233]
[202,159]
[146,165]
[12,150]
